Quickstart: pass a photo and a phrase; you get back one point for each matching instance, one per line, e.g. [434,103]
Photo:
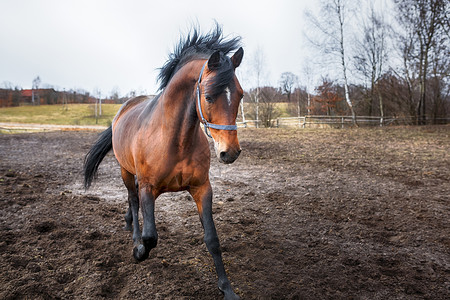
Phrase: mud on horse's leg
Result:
[203,199]
[149,234]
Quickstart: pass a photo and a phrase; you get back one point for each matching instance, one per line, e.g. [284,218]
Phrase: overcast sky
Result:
[78,44]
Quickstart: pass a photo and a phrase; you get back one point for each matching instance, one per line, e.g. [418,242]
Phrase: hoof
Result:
[128,228]
[228,292]
[150,242]
[230,296]
[140,254]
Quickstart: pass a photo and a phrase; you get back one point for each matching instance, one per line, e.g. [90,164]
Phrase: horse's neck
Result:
[178,102]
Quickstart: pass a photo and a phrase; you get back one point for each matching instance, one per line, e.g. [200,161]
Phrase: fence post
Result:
[342,122]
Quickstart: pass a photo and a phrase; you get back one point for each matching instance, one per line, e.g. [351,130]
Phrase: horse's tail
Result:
[95,156]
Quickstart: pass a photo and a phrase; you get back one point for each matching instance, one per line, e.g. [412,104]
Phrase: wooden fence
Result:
[335,121]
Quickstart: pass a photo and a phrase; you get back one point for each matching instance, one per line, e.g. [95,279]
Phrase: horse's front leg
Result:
[203,198]
[149,234]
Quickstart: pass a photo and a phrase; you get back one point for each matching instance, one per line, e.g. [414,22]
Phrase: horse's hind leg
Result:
[129,215]
[132,215]
[128,219]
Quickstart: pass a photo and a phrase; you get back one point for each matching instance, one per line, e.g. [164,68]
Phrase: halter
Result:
[206,123]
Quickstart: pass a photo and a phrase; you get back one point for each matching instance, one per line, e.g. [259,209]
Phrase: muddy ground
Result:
[302,214]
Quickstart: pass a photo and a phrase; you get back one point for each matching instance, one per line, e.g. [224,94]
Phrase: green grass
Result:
[73,114]
[282,109]
[81,114]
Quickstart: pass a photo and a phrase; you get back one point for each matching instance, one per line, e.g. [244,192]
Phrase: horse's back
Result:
[126,126]
[129,104]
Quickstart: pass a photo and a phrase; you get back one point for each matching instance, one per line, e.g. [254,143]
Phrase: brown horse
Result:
[160,145]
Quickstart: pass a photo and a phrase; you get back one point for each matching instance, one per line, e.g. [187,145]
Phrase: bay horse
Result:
[161,147]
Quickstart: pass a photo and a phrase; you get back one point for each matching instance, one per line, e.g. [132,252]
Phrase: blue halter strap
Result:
[206,123]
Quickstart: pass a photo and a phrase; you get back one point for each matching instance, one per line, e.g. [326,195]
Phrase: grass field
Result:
[83,114]
[73,114]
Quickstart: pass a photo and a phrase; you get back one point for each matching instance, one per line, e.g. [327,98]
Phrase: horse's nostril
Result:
[223,155]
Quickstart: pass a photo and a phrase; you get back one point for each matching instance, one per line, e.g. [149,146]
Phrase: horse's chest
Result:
[176,182]
[182,176]
[169,169]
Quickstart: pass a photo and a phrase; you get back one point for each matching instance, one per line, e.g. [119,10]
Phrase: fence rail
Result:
[338,121]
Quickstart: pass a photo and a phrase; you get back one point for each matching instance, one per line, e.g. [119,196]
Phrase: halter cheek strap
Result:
[206,123]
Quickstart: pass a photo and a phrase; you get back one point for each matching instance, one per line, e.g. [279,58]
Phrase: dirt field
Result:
[302,214]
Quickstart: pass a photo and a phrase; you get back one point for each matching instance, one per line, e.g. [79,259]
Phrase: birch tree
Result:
[308,78]
[258,62]
[332,28]
[35,91]
[241,76]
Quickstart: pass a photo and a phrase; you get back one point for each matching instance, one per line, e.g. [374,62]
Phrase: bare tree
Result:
[439,83]
[35,91]
[258,62]
[428,20]
[371,57]
[268,102]
[332,24]
[240,75]
[114,95]
[36,83]
[405,46]
[98,104]
[307,78]
[287,83]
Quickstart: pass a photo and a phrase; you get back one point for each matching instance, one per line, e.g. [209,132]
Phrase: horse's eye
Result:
[208,98]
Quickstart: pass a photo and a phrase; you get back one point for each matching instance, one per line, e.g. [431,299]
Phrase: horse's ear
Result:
[237,57]
[214,61]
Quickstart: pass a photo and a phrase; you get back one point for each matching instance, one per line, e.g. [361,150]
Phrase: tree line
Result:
[48,95]
[376,58]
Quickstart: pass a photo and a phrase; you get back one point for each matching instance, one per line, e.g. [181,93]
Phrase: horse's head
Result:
[218,97]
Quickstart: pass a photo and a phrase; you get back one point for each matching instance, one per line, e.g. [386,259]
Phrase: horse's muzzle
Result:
[228,157]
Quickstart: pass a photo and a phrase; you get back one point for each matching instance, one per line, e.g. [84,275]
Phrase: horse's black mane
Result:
[196,46]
